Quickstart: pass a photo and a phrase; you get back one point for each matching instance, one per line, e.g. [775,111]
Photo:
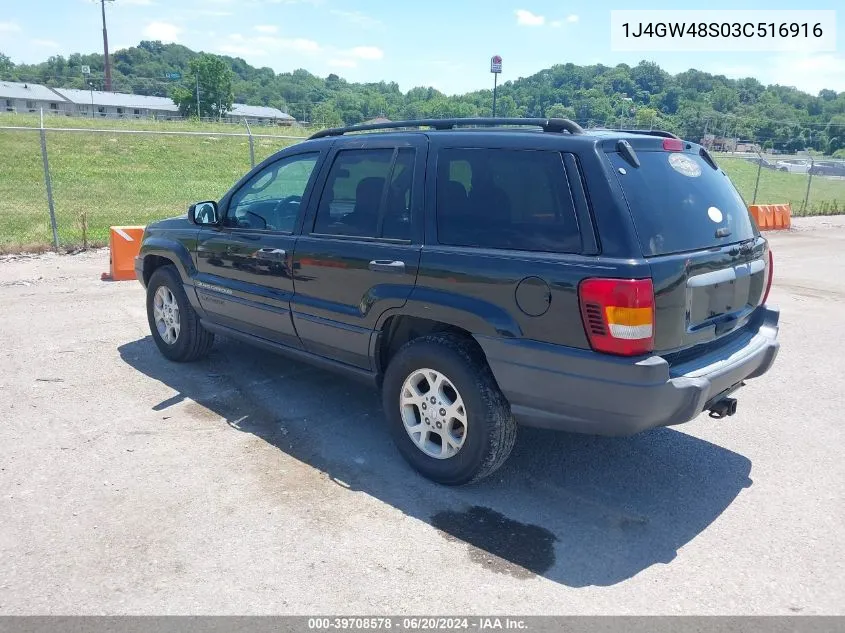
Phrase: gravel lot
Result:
[248,483]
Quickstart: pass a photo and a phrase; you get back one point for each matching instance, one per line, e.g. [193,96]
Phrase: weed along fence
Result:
[65,186]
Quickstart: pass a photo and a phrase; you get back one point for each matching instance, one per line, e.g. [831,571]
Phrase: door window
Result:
[368,194]
[271,199]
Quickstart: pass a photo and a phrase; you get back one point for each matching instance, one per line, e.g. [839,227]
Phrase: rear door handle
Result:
[387,266]
[273,254]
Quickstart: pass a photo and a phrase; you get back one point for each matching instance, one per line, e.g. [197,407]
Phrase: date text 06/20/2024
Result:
[417,624]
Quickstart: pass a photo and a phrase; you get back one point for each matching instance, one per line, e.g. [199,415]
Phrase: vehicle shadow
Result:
[577,510]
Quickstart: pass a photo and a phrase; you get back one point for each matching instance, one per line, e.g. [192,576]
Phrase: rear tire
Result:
[174,324]
[445,411]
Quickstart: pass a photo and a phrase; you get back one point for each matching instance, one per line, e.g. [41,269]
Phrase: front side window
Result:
[506,199]
[368,194]
[270,200]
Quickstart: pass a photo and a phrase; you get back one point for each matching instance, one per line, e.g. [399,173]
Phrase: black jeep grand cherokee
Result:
[600,282]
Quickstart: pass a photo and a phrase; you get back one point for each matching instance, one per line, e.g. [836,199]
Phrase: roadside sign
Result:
[496,64]
[173,75]
[86,70]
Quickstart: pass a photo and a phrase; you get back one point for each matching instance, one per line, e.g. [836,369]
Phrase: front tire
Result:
[174,324]
[445,411]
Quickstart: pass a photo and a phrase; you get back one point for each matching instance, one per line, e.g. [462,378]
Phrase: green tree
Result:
[724,99]
[560,111]
[326,115]
[6,64]
[649,77]
[212,76]
[646,118]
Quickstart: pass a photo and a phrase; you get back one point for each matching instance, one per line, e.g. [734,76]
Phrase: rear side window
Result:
[368,194]
[509,199]
[680,203]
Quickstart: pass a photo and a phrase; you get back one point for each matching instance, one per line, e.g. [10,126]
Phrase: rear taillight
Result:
[770,271]
[618,315]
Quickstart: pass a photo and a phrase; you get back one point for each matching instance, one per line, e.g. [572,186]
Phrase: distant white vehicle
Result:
[794,166]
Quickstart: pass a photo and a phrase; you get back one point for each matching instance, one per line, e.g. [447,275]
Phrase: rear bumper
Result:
[581,391]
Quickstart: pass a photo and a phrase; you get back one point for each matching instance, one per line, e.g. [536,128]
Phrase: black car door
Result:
[244,278]
[359,250]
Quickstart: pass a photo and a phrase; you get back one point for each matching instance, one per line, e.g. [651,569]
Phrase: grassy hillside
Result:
[126,179]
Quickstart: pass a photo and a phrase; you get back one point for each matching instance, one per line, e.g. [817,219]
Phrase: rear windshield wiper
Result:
[709,159]
[628,152]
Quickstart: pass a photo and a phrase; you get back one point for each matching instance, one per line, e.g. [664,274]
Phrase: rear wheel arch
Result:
[398,330]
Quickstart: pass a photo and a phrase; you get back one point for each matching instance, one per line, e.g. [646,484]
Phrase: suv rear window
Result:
[509,199]
[679,202]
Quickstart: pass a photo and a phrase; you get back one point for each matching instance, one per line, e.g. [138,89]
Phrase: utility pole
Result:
[106,46]
[198,94]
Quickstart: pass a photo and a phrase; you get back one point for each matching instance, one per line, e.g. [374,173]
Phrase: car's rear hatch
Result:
[708,261]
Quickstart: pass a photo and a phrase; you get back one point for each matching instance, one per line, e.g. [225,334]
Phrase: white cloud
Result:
[242,45]
[163,31]
[267,28]
[357,18]
[241,51]
[572,18]
[45,43]
[526,18]
[367,52]
[343,63]
[810,72]
[9,27]
[298,44]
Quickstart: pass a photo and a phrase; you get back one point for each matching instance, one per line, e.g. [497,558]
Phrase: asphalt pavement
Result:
[249,483]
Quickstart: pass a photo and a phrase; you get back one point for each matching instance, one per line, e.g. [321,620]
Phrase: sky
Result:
[446,44]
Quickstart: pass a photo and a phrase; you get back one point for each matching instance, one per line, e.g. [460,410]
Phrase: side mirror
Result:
[204,213]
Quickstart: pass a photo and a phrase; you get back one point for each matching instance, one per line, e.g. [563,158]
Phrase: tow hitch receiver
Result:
[723,408]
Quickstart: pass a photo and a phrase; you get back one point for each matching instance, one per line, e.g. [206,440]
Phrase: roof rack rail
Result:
[651,133]
[548,125]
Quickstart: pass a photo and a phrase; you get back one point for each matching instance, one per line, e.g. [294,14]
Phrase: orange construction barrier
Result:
[124,245]
[771,216]
[783,216]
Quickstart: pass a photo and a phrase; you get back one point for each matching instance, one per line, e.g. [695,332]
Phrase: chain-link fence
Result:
[84,180]
[99,177]
[812,185]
